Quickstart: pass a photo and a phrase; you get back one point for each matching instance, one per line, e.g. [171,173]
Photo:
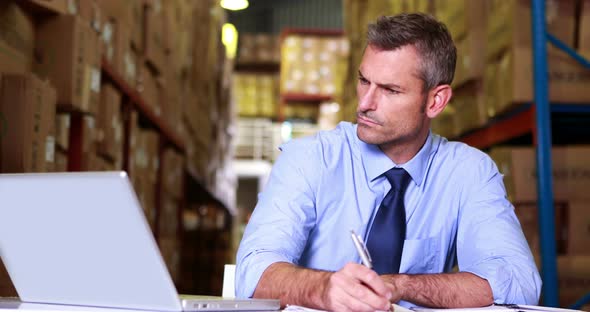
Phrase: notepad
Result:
[497,308]
[396,308]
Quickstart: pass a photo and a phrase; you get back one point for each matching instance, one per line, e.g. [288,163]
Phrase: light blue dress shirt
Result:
[323,186]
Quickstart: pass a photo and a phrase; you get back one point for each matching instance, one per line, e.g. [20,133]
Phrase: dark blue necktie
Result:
[386,239]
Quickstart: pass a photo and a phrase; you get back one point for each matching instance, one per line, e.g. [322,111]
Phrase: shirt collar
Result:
[376,162]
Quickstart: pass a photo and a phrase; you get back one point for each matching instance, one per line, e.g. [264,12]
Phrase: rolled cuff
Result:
[250,271]
[509,283]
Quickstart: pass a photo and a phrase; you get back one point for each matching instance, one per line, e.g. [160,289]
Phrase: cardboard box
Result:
[145,164]
[45,7]
[17,39]
[131,63]
[173,166]
[150,89]
[462,18]
[62,131]
[574,279]
[115,42]
[69,55]
[444,123]
[100,163]
[509,24]
[146,192]
[169,218]
[584,27]
[129,14]
[568,80]
[133,139]
[471,63]
[110,124]
[48,122]
[27,105]
[170,250]
[170,101]
[528,215]
[579,225]
[90,11]
[88,135]
[154,47]
[572,227]
[61,160]
[469,102]
[570,172]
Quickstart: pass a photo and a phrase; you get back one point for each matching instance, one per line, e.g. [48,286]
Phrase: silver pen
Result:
[361,249]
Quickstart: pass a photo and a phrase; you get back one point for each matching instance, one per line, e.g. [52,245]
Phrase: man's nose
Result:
[367,100]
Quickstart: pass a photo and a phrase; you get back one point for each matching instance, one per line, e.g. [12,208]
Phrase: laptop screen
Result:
[81,239]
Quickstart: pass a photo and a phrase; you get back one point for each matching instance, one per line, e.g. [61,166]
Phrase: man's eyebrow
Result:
[384,85]
[390,86]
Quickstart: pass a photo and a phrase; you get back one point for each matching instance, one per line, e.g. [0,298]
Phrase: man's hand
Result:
[356,288]
[352,288]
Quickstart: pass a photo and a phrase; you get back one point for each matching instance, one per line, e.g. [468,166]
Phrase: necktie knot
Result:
[398,178]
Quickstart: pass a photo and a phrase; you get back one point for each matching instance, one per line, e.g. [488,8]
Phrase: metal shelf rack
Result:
[535,119]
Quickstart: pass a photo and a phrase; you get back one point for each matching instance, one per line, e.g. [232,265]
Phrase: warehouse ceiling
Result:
[272,16]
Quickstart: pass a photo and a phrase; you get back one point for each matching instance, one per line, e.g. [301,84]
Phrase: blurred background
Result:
[193,97]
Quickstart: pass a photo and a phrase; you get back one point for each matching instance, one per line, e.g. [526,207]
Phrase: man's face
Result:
[391,102]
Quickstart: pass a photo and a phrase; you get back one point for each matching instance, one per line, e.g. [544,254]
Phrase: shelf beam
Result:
[305,98]
[145,110]
[502,130]
[260,68]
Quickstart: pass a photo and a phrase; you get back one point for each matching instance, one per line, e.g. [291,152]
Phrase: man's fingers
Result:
[369,278]
[344,301]
[358,284]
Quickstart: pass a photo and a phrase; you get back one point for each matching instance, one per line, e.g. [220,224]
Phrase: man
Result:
[454,210]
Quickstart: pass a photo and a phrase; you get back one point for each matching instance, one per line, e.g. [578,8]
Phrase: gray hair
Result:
[430,38]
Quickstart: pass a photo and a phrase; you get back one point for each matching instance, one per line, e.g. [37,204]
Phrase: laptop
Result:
[83,239]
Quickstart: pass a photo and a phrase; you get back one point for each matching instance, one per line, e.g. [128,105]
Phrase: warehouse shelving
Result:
[137,101]
[312,99]
[305,98]
[536,119]
[299,97]
[257,67]
[196,191]
[517,123]
[312,32]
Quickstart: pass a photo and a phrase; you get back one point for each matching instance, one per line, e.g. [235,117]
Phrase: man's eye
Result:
[363,80]
[391,91]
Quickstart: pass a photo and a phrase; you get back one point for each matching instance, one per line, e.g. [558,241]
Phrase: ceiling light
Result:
[234,5]
[229,37]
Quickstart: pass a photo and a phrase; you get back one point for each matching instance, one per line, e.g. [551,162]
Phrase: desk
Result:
[14,304]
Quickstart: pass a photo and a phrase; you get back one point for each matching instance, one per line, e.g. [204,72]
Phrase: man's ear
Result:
[438,98]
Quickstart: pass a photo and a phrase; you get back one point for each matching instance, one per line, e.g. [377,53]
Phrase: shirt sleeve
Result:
[285,213]
[490,241]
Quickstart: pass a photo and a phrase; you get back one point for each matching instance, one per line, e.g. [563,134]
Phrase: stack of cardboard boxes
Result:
[256,94]
[494,66]
[171,197]
[571,177]
[313,64]
[258,48]
[94,85]
[27,102]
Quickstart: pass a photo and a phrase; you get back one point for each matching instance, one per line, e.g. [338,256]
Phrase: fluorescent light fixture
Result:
[234,5]
[229,37]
